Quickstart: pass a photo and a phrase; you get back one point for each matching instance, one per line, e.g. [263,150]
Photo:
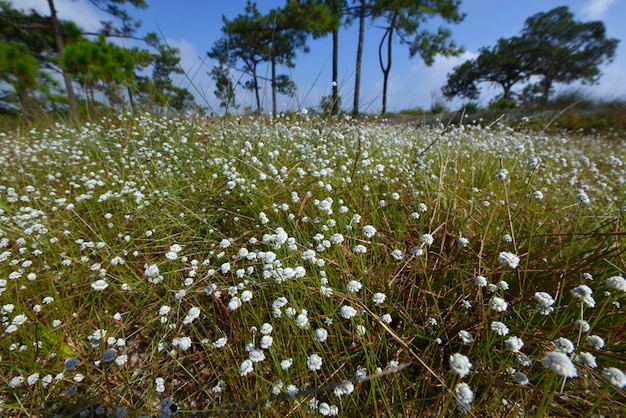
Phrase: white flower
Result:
[184,343]
[499,328]
[234,304]
[584,292]
[564,345]
[360,249]
[246,367]
[508,260]
[544,302]
[480,281]
[428,239]
[463,242]
[220,342]
[465,396]
[514,344]
[302,320]
[379,298]
[194,313]
[617,283]
[32,379]
[499,304]
[386,318]
[321,335]
[582,325]
[369,231]
[286,364]
[587,359]
[596,341]
[466,337]
[560,364]
[99,285]
[257,355]
[397,254]
[537,195]
[520,378]
[354,286]
[314,362]
[615,377]
[347,312]
[460,364]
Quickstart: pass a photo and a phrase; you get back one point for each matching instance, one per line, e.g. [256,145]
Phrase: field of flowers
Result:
[300,267]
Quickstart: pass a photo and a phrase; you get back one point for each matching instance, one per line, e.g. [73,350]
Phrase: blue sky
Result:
[194,25]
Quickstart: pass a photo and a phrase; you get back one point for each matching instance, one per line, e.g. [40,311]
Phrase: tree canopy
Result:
[552,48]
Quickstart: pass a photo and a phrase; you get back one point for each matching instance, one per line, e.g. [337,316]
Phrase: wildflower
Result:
[246,367]
[586,359]
[480,281]
[379,298]
[499,304]
[70,363]
[560,364]
[234,304]
[422,207]
[514,344]
[386,318]
[360,249]
[460,364]
[347,312]
[286,364]
[257,355]
[121,359]
[466,337]
[32,379]
[417,251]
[564,345]
[582,325]
[428,239]
[463,242]
[314,362]
[508,260]
[369,231]
[302,320]
[499,328]
[321,334]
[266,329]
[544,302]
[617,283]
[615,377]
[595,341]
[584,292]
[194,313]
[464,396]
[184,343]
[99,285]
[520,378]
[537,195]
[397,254]
[354,286]
[16,381]
[109,355]
[220,342]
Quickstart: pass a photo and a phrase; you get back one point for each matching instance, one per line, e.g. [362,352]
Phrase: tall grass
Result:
[152,265]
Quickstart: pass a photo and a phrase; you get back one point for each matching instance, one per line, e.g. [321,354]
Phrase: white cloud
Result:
[595,9]
[78,11]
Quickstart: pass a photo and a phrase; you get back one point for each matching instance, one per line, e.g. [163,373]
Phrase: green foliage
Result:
[552,46]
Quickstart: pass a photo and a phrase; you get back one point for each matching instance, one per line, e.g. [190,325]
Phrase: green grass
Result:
[259,221]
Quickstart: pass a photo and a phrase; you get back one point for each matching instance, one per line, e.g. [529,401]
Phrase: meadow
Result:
[303,266]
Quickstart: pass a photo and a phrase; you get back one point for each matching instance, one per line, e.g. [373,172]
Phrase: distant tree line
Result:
[552,48]
[38,51]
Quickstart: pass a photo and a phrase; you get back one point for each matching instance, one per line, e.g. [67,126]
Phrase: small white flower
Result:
[466,337]
[564,345]
[480,281]
[314,362]
[369,231]
[520,378]
[246,367]
[379,298]
[498,304]
[514,344]
[286,364]
[463,242]
[596,341]
[560,364]
[584,292]
[508,260]
[428,239]
[460,364]
[194,313]
[347,312]
[499,328]
[615,377]
[321,334]
[397,254]
[617,283]
[99,285]
[587,359]
[354,286]
[465,396]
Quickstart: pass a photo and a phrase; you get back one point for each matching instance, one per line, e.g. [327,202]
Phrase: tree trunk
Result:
[256,91]
[359,56]
[273,82]
[58,39]
[386,68]
[335,106]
